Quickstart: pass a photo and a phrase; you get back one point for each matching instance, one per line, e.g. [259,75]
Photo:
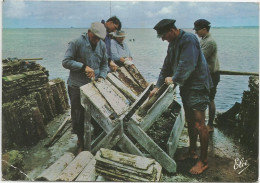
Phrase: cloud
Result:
[118,7]
[165,10]
[15,9]
[142,14]
[134,2]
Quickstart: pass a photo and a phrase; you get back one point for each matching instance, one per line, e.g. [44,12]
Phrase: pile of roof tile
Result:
[249,114]
[30,101]
[117,166]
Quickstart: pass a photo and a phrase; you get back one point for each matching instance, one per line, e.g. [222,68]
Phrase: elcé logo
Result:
[240,165]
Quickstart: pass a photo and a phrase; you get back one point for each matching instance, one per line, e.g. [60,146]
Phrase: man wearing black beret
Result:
[210,51]
[186,66]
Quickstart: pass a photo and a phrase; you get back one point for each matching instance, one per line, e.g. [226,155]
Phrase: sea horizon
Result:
[238,50]
[219,27]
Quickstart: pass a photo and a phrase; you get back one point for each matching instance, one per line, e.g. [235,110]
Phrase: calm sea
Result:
[238,50]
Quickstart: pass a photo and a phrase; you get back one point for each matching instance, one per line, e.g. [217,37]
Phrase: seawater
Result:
[238,50]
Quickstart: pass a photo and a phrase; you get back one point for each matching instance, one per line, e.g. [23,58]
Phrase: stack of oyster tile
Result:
[29,102]
[249,115]
[117,166]
[22,77]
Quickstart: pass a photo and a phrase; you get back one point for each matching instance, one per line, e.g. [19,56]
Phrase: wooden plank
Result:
[75,167]
[150,146]
[136,75]
[125,90]
[111,173]
[95,103]
[51,173]
[104,122]
[142,111]
[106,162]
[118,104]
[110,140]
[118,164]
[89,172]
[98,139]
[87,126]
[31,59]
[158,108]
[127,159]
[58,132]
[170,91]
[127,146]
[124,76]
[90,94]
[238,73]
[118,92]
[175,134]
[131,110]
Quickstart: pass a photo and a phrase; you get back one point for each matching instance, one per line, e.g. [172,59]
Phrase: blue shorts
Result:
[195,99]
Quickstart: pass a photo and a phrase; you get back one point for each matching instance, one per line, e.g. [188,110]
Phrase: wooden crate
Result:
[114,105]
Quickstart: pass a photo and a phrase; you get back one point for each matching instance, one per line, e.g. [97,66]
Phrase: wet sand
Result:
[223,150]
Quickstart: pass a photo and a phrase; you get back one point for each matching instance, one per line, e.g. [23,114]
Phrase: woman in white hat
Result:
[120,52]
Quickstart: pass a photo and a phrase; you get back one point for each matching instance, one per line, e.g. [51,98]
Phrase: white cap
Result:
[98,29]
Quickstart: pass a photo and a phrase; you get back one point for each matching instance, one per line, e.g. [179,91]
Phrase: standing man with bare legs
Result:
[185,65]
[210,51]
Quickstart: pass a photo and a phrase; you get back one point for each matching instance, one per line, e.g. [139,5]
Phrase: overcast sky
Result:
[133,14]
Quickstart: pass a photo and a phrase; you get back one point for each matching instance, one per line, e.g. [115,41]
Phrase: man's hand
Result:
[128,62]
[112,65]
[100,79]
[153,92]
[168,80]
[89,72]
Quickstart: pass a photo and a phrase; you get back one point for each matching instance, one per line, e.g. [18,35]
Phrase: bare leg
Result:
[193,134]
[202,164]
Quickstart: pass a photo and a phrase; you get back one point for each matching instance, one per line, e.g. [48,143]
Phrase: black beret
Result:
[164,26]
[200,24]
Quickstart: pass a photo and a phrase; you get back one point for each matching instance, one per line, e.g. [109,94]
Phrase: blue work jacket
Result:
[80,52]
[186,64]
[119,50]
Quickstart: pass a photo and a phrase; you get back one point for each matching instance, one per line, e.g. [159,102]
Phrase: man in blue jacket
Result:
[185,65]
[86,59]
[112,24]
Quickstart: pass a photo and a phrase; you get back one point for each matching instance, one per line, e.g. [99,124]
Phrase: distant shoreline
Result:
[231,27]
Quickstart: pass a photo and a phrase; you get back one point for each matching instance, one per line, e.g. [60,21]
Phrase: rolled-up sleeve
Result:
[68,62]
[187,61]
